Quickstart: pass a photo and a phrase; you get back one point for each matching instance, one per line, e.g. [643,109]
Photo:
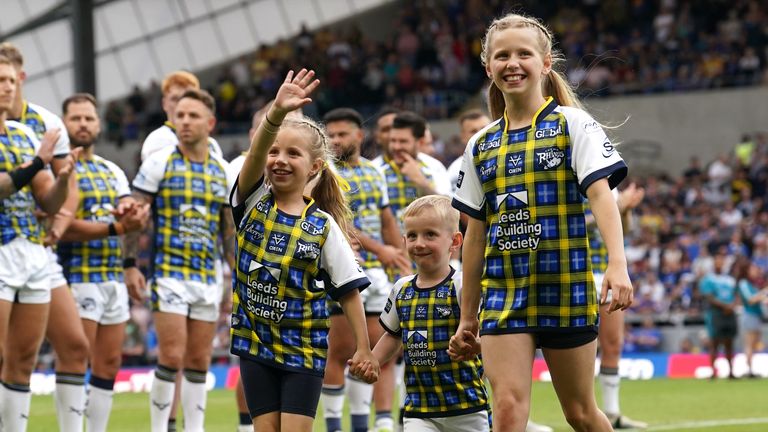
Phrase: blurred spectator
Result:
[646,338]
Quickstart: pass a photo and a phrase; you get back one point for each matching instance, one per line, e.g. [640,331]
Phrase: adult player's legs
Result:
[66,335]
[197,359]
[28,322]
[106,356]
[508,365]
[572,371]
[611,338]
[171,331]
[341,346]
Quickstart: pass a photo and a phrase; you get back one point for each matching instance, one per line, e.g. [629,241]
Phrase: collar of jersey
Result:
[169,125]
[309,208]
[547,107]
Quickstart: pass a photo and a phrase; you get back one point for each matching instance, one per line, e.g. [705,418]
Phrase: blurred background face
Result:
[346,139]
[7,86]
[171,99]
[383,128]
[82,123]
[401,142]
[471,127]
[193,121]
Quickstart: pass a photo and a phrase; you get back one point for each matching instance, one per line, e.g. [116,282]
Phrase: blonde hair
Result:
[181,79]
[12,53]
[327,193]
[553,84]
[440,205]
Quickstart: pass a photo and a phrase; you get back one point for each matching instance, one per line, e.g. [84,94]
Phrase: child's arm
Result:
[472,269]
[293,94]
[387,347]
[608,220]
[363,359]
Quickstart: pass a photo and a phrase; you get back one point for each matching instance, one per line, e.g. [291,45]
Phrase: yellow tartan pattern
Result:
[34,120]
[279,302]
[528,283]
[428,318]
[598,253]
[365,199]
[97,260]
[187,215]
[17,212]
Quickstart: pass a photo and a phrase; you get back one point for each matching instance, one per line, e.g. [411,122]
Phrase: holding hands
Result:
[363,365]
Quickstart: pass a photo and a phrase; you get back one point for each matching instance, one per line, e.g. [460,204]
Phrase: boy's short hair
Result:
[440,204]
[181,79]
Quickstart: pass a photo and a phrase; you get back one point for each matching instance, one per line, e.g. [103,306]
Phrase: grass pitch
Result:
[667,405]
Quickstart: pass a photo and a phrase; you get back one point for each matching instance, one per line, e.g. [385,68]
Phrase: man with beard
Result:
[90,253]
[378,235]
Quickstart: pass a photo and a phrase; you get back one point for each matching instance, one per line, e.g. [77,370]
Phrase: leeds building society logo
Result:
[549,158]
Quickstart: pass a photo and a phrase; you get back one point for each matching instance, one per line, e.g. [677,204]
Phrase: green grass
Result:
[665,404]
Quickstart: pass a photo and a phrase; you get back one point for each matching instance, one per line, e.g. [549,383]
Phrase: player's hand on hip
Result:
[622,293]
[136,284]
[295,90]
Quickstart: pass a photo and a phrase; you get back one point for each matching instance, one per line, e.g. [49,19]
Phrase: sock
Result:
[161,397]
[384,421]
[333,404]
[245,424]
[70,401]
[99,405]
[14,406]
[193,399]
[172,424]
[359,395]
[609,383]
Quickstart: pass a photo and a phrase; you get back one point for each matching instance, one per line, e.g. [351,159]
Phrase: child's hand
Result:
[363,365]
[617,280]
[294,92]
[465,348]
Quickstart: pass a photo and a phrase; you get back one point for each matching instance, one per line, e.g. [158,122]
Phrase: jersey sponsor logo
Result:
[515,163]
[88,304]
[518,196]
[262,207]
[311,228]
[549,158]
[487,171]
[548,132]
[255,231]
[277,243]
[417,348]
[592,127]
[101,213]
[218,190]
[460,179]
[307,250]
[514,231]
[489,145]
[608,148]
[262,290]
[388,306]
[421,312]
[193,226]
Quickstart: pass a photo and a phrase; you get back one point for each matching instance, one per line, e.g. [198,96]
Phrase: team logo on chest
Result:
[549,158]
[307,250]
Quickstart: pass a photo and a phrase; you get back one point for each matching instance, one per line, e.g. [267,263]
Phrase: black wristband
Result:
[270,122]
[112,229]
[22,176]
[129,262]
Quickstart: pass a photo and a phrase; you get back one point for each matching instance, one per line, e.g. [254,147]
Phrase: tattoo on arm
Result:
[131,240]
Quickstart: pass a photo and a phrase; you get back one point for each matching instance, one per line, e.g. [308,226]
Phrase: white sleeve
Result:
[593,156]
[339,265]
[240,209]
[439,174]
[151,172]
[215,147]
[123,187]
[157,140]
[469,197]
[453,172]
[52,121]
[389,318]
[382,182]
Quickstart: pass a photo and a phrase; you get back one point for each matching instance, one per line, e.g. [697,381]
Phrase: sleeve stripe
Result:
[389,330]
[339,292]
[464,208]
[615,173]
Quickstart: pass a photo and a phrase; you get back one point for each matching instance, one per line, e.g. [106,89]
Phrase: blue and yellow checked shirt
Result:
[101,184]
[527,185]
[40,120]
[368,195]
[400,189]
[598,253]
[425,318]
[188,198]
[286,266]
[18,145]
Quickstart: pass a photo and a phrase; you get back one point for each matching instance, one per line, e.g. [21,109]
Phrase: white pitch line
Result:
[709,424]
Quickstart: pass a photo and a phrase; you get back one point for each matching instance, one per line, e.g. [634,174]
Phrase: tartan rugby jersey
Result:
[186,212]
[287,265]
[425,319]
[368,195]
[18,145]
[101,184]
[527,186]
[598,253]
[40,120]
[165,136]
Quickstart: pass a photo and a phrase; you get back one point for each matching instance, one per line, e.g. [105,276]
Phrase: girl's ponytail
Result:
[496,103]
[330,197]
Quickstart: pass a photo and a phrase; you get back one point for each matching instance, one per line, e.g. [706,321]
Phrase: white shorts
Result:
[55,272]
[750,322]
[24,276]
[105,302]
[376,295]
[192,299]
[475,422]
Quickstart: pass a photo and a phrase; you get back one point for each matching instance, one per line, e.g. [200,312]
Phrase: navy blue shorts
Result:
[269,389]
[565,340]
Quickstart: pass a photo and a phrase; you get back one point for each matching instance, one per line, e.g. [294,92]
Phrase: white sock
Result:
[14,407]
[161,397]
[70,401]
[245,428]
[193,400]
[359,395]
[333,404]
[609,383]
[99,404]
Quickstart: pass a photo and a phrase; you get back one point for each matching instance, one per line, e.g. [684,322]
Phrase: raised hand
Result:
[48,144]
[294,92]
[630,197]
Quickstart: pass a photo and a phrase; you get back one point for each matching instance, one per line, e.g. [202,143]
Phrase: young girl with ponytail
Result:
[292,252]
[522,183]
